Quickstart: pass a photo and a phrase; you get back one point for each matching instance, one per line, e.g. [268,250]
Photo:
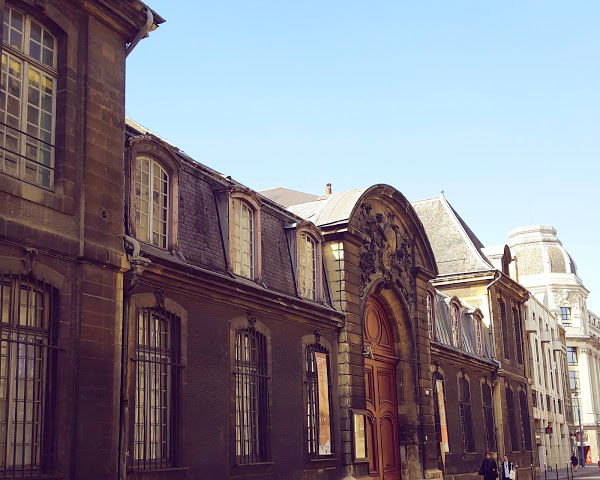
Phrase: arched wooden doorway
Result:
[380,386]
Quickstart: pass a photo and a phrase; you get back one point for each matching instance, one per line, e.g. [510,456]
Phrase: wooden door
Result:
[380,386]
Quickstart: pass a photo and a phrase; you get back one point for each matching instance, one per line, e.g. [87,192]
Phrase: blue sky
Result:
[496,103]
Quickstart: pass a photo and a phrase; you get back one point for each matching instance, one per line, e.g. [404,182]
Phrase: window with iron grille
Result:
[489,423]
[151,202]
[27,99]
[505,334]
[251,376]
[157,372]
[518,337]
[466,418]
[512,421]
[28,348]
[430,317]
[318,393]
[525,424]
[307,266]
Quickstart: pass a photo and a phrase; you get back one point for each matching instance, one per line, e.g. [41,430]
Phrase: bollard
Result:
[556,465]
[568,470]
[545,473]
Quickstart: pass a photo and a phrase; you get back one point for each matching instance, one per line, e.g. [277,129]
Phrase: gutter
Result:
[143,32]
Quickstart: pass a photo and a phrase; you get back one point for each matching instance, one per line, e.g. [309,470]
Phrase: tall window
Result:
[251,397]
[565,313]
[439,414]
[151,202]
[572,355]
[512,421]
[243,239]
[307,266]
[156,388]
[455,326]
[477,325]
[27,370]
[489,424]
[27,99]
[466,418]
[430,318]
[525,424]
[576,409]
[318,390]
[505,335]
[574,380]
[519,337]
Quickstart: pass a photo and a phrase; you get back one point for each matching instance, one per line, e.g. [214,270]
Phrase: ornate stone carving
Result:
[565,298]
[251,318]
[28,259]
[160,296]
[386,251]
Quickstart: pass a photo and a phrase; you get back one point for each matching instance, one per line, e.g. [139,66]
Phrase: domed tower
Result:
[544,266]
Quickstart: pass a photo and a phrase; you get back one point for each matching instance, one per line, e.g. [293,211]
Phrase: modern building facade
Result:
[547,270]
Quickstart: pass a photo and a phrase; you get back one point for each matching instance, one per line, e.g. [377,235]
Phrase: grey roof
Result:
[443,329]
[334,208]
[456,248]
[286,196]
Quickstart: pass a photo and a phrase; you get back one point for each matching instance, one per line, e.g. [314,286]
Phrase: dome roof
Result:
[539,250]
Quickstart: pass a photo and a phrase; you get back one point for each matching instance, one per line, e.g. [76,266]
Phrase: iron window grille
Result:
[28,357]
[512,421]
[312,392]
[525,424]
[489,423]
[251,377]
[466,418]
[157,384]
[28,99]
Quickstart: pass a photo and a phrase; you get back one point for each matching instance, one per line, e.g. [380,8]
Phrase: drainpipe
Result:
[141,33]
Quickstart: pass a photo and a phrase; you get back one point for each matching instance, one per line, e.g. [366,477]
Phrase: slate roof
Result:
[456,248]
[443,329]
[287,197]
[335,208]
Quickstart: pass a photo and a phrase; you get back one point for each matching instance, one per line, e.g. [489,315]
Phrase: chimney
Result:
[328,189]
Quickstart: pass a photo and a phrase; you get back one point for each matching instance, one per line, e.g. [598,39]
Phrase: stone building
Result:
[465,272]
[545,268]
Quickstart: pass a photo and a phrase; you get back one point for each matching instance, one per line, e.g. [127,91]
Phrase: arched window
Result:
[478,327]
[505,334]
[151,202]
[512,421]
[525,424]
[28,99]
[454,312]
[489,423]
[430,316]
[466,418]
[518,336]
[28,344]
[307,266]
[318,393]
[242,237]
[157,346]
[251,377]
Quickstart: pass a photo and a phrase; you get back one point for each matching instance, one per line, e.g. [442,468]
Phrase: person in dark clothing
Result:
[574,460]
[489,469]
[505,468]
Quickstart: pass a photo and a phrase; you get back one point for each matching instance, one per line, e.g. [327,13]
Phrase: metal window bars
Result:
[157,372]
[466,419]
[312,399]
[251,379]
[28,348]
[488,415]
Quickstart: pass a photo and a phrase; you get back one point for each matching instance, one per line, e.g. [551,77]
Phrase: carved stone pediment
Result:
[565,298]
[386,251]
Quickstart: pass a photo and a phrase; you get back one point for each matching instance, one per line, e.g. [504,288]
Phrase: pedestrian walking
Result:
[574,460]
[507,469]
[489,469]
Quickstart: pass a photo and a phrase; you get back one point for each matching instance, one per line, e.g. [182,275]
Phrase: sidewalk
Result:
[581,472]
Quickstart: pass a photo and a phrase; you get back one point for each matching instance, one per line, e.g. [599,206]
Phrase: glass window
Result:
[307,266]
[478,334]
[525,424]
[572,355]
[489,423]
[455,326]
[156,371]
[518,337]
[151,202]
[505,333]
[565,313]
[27,99]
[574,380]
[243,239]
[318,389]
[251,377]
[27,366]
[512,422]
[430,319]
[466,419]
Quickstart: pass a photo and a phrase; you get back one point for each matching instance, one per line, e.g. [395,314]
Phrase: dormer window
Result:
[27,99]
[244,234]
[151,202]
[478,325]
[430,316]
[307,266]
[454,313]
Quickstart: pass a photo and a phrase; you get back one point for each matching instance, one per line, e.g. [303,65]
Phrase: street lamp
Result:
[575,393]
